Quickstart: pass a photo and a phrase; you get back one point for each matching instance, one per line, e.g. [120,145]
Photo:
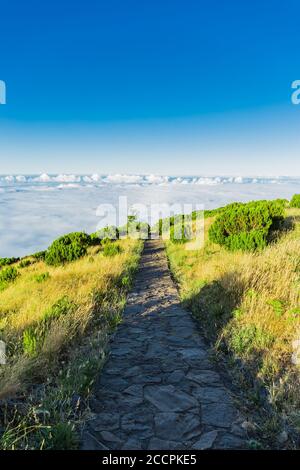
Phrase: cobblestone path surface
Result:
[159,389]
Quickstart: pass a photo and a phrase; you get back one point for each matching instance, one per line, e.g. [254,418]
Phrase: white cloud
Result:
[20,179]
[68,202]
[9,179]
[67,179]
[43,178]
[239,180]
[95,177]
[124,179]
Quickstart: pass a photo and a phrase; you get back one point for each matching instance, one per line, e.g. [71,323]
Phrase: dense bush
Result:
[40,255]
[207,213]
[68,248]
[246,226]
[7,261]
[174,220]
[295,201]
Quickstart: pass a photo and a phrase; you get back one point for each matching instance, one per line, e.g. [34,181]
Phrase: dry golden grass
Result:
[24,302]
[248,301]
[211,262]
[255,280]
[267,290]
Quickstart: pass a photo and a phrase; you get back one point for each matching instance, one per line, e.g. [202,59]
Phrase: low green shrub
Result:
[111,249]
[7,261]
[68,248]
[106,240]
[7,276]
[295,201]
[24,263]
[246,226]
[111,232]
[95,240]
[207,213]
[42,277]
[39,255]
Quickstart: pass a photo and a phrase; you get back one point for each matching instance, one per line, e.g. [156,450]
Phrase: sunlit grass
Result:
[55,322]
[249,305]
[25,300]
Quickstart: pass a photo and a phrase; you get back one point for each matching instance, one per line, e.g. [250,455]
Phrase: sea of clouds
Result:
[36,209]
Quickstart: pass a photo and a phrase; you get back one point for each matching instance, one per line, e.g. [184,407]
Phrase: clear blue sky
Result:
[161,86]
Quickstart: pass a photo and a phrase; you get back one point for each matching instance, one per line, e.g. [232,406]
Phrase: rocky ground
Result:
[159,390]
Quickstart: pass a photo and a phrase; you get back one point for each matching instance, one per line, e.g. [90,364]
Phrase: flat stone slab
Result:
[104,421]
[168,398]
[206,441]
[159,389]
[211,394]
[179,427]
[220,415]
[160,444]
[204,377]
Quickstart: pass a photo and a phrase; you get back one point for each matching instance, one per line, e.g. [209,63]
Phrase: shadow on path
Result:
[159,389]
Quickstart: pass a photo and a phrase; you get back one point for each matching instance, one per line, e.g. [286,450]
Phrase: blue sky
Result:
[160,86]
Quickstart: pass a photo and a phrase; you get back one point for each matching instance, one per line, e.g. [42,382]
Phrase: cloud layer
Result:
[128,179]
[36,209]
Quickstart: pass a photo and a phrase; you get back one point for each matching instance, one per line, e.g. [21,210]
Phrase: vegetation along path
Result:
[159,389]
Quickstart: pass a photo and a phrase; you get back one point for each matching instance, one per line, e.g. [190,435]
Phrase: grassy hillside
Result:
[58,308]
[248,304]
[55,321]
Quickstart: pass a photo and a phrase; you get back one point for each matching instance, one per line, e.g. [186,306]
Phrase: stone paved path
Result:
[159,389]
